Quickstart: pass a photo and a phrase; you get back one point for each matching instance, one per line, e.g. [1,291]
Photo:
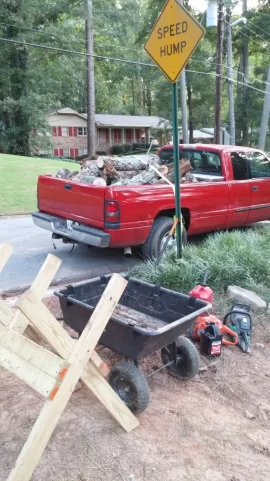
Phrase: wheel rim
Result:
[124,390]
[171,244]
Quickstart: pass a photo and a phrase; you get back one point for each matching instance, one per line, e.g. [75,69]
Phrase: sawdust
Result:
[194,431]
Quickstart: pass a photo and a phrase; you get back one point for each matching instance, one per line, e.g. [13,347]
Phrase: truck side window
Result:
[239,165]
[259,165]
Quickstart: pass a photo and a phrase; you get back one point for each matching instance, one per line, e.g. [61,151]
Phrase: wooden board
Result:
[5,253]
[37,356]
[27,372]
[63,344]
[78,358]
[136,318]
[16,320]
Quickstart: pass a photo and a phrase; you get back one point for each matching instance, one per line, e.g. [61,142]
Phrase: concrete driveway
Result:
[32,245]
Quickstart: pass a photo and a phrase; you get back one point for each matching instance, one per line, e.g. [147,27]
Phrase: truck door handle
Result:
[68,186]
[255,188]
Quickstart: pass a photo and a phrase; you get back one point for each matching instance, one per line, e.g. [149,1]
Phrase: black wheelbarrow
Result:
[147,319]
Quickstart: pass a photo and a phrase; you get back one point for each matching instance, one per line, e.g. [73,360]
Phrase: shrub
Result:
[240,258]
[117,149]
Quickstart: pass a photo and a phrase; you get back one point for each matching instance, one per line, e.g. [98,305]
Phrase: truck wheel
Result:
[160,230]
[187,363]
[130,385]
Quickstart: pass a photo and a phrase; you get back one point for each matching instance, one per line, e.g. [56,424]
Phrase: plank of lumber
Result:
[27,372]
[5,253]
[6,313]
[63,344]
[40,285]
[16,320]
[41,358]
[79,357]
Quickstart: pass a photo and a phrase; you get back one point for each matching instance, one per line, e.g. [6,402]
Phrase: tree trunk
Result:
[190,114]
[145,177]
[91,126]
[130,162]
[149,100]
[245,81]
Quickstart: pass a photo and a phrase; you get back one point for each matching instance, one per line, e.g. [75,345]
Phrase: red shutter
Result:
[54,131]
[117,136]
[128,135]
[72,154]
[75,131]
[138,135]
[70,131]
[76,152]
[107,136]
[59,131]
[61,153]
[55,152]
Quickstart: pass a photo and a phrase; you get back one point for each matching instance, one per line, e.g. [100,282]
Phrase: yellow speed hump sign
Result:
[173,39]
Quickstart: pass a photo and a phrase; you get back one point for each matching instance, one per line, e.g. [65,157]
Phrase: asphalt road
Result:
[32,245]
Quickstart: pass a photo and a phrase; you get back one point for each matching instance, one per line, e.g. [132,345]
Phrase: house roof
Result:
[200,134]
[110,120]
[130,120]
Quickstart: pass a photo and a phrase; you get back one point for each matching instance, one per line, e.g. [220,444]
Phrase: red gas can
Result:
[203,291]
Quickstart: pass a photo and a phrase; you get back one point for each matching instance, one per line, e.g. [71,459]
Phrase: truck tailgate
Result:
[79,202]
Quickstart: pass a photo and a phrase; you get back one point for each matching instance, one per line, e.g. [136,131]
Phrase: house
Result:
[69,131]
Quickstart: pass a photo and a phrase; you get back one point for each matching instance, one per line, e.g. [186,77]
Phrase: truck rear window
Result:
[203,161]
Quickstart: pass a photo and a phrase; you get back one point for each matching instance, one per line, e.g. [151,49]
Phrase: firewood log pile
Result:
[126,170]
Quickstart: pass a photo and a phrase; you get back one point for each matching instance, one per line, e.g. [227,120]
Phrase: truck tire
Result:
[130,385]
[160,229]
[187,365]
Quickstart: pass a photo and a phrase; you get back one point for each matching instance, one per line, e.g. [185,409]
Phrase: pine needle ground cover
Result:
[18,181]
[238,258]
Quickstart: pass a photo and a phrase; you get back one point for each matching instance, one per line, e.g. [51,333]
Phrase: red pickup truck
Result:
[232,189]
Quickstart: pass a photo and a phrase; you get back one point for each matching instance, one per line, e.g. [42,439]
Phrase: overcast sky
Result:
[201,5]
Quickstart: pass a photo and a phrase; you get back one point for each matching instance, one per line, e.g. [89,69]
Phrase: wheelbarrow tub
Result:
[166,315]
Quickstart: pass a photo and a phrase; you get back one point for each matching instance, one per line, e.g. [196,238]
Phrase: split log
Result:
[87,179]
[99,181]
[129,162]
[90,168]
[163,169]
[63,174]
[144,178]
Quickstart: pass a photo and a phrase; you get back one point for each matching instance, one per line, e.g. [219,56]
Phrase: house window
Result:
[85,151]
[82,131]
[65,131]
[81,151]
[66,152]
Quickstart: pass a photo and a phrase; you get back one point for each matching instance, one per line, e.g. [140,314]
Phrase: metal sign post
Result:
[176,170]
[173,39]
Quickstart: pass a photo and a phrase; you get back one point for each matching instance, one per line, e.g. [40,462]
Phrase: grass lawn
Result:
[18,181]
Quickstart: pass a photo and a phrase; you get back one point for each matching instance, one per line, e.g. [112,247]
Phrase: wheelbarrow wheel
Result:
[130,385]
[187,359]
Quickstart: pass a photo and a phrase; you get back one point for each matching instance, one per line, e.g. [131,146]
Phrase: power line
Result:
[262,30]
[115,59]
[255,33]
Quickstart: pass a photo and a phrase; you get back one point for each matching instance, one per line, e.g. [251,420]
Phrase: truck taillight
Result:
[37,197]
[112,214]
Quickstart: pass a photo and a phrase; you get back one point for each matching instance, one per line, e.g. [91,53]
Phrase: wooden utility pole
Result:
[265,115]
[230,79]
[91,104]
[220,31]
[183,101]
[245,82]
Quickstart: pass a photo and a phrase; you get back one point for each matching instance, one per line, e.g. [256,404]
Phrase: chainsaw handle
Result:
[231,333]
[238,312]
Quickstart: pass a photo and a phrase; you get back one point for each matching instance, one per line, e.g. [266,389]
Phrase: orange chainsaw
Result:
[203,321]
